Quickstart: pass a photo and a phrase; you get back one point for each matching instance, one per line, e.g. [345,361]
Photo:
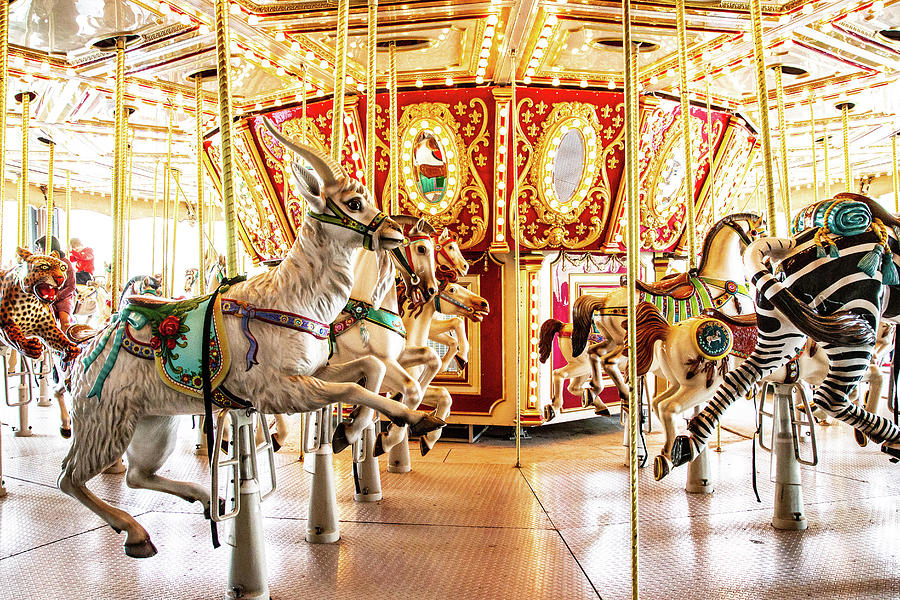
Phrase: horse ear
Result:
[445,235]
[419,227]
[22,253]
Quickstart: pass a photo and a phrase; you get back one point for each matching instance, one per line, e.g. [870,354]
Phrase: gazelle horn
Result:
[328,170]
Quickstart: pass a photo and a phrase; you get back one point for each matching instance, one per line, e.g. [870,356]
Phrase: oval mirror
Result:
[430,166]
[569,165]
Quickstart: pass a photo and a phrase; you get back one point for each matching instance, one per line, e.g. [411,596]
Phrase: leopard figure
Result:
[27,292]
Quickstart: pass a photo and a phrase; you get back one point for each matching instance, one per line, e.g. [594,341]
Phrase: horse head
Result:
[415,259]
[455,299]
[450,260]
[749,226]
[339,202]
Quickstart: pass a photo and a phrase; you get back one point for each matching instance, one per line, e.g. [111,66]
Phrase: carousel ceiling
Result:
[840,49]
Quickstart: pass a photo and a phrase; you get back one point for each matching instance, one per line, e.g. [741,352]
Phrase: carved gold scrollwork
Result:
[460,199]
[565,222]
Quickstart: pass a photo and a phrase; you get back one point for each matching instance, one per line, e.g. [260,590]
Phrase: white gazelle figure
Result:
[285,371]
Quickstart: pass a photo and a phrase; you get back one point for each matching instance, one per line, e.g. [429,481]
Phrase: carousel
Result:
[521,299]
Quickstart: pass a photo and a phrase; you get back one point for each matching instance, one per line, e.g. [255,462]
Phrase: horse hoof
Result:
[276,445]
[424,446]
[339,440]
[66,432]
[861,440]
[891,450]
[586,399]
[660,467]
[144,549]
[378,448]
[549,413]
[681,451]
[428,423]
[602,412]
[461,362]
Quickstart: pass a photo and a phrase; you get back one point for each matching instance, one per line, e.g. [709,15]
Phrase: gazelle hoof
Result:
[661,467]
[861,439]
[681,451]
[144,549]
[339,440]
[276,445]
[428,423]
[549,413]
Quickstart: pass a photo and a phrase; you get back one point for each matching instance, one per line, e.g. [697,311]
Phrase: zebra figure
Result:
[829,288]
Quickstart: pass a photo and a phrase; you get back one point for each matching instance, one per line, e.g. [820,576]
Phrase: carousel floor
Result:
[466,524]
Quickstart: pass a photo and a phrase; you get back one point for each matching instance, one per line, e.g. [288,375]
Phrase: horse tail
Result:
[582,319]
[651,327]
[843,328]
[549,329]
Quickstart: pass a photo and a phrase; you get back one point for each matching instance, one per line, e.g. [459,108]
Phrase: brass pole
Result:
[686,135]
[340,81]
[155,199]
[632,103]
[709,153]
[223,46]
[176,175]
[201,214]
[782,138]
[845,107]
[523,328]
[825,141]
[303,107]
[167,191]
[812,132]
[894,168]
[393,140]
[125,213]
[68,206]
[371,85]
[51,146]
[762,100]
[4,77]
[25,98]
[118,199]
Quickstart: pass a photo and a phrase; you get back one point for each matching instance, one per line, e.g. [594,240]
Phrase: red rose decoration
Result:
[169,326]
[154,343]
[170,343]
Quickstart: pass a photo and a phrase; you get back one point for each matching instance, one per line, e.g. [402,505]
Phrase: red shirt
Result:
[83,260]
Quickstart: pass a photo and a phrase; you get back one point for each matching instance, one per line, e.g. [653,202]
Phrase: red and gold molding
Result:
[502,166]
[531,307]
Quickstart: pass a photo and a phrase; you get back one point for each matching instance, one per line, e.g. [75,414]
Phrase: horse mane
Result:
[549,329]
[651,327]
[582,319]
[716,228]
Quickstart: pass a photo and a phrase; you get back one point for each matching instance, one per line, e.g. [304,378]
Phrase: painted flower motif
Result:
[169,327]
[170,343]
[154,342]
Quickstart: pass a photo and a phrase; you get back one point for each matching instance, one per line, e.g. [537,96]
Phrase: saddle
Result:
[148,301]
[748,320]
[677,286]
[743,330]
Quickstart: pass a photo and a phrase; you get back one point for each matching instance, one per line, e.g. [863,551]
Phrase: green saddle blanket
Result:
[176,337]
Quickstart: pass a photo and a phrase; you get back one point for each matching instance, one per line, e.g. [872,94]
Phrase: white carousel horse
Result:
[370,324]
[578,371]
[718,283]
[451,265]
[92,306]
[452,299]
[687,389]
[136,412]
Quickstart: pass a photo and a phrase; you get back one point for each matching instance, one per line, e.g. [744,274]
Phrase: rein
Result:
[342,219]
[405,258]
[451,300]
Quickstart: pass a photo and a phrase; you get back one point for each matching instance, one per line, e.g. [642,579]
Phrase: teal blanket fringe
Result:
[117,324]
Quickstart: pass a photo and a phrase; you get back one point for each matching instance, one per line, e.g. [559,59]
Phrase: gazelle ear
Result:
[309,185]
[23,254]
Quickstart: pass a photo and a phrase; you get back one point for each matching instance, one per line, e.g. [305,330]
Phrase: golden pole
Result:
[524,331]
[393,142]
[167,191]
[686,135]
[371,85]
[4,77]
[125,213]
[827,172]
[303,106]
[845,107]
[782,137]
[153,250]
[894,168]
[201,267]
[709,151]
[68,206]
[632,103]
[340,81]
[223,45]
[25,98]
[812,132]
[176,175]
[762,100]
[51,146]
[118,173]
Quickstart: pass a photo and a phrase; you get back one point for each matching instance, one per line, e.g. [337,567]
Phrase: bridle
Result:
[451,300]
[342,219]
[404,255]
[746,237]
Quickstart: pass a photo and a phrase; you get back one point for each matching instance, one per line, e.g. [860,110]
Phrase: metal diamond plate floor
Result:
[465,524]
